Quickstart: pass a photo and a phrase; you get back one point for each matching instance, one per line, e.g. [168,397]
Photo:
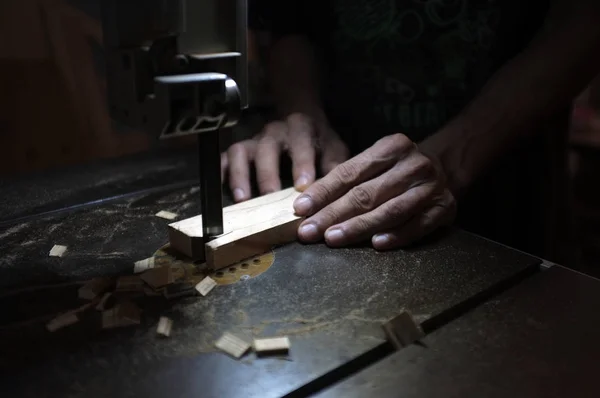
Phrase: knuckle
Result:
[330,216]
[267,139]
[273,130]
[362,198]
[346,173]
[357,226]
[236,149]
[298,117]
[399,143]
[425,166]
[320,193]
[393,211]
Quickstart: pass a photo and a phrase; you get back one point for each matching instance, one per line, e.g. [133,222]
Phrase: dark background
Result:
[53,113]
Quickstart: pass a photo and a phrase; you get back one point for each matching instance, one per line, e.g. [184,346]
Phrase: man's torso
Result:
[410,65]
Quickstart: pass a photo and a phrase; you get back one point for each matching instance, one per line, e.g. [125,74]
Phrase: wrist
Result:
[448,148]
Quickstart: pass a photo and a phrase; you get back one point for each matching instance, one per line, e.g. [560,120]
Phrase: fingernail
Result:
[302,205]
[334,236]
[302,182]
[238,194]
[380,240]
[309,232]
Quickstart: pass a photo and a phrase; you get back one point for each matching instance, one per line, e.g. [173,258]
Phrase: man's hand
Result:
[391,193]
[301,137]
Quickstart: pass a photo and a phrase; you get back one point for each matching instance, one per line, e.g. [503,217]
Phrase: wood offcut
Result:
[164,326]
[143,265]
[124,314]
[62,321]
[129,284]
[167,215]
[271,346]
[94,288]
[403,330]
[206,285]
[232,345]
[159,277]
[252,227]
[58,251]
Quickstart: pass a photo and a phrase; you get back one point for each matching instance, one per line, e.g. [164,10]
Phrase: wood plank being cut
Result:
[251,228]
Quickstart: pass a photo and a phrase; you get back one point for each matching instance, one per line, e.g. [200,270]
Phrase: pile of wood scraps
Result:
[115,298]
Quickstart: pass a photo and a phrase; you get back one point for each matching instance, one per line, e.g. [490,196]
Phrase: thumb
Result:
[301,150]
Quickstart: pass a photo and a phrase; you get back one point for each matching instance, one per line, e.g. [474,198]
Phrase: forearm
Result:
[294,77]
[558,64]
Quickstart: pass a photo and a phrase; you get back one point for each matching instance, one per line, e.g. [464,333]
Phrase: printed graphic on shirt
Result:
[407,63]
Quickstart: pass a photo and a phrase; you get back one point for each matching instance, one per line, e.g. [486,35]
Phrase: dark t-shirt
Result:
[403,65]
[411,65]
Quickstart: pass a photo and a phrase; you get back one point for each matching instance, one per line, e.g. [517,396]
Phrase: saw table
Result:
[498,322]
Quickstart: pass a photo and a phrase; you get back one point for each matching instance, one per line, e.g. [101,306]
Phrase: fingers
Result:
[301,150]
[442,214]
[368,196]
[224,165]
[333,153]
[372,162]
[394,212]
[266,160]
[240,156]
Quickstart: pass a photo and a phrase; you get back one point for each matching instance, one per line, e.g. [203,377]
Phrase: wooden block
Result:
[158,277]
[58,251]
[252,228]
[206,285]
[148,291]
[94,288]
[128,310]
[129,283]
[232,345]
[62,321]
[167,215]
[275,345]
[164,326]
[105,302]
[403,330]
[124,314]
[143,265]
[111,320]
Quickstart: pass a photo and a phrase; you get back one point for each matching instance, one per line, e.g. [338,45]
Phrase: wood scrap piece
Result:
[206,285]
[253,227]
[143,265]
[124,314]
[164,326]
[61,321]
[177,290]
[129,283]
[158,277]
[58,251]
[167,215]
[403,330]
[105,301]
[94,288]
[148,291]
[232,345]
[271,346]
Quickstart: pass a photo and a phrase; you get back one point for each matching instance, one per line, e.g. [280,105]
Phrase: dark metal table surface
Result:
[330,302]
[538,339]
